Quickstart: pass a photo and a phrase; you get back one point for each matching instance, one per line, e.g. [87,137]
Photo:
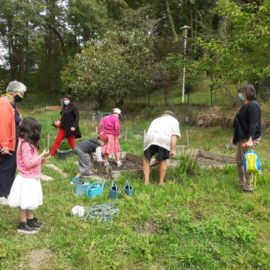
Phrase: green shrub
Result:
[188,168]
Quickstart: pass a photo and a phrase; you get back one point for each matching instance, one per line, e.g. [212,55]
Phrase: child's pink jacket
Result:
[110,125]
[28,160]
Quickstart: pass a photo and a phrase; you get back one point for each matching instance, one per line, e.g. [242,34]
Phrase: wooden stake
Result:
[48,141]
[187,137]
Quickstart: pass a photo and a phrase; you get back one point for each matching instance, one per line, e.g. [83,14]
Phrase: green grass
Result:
[200,221]
[200,95]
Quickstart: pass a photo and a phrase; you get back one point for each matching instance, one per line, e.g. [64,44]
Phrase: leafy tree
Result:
[111,69]
[20,35]
[165,73]
[87,19]
[243,54]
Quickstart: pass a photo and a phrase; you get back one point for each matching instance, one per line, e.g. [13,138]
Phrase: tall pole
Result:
[185,29]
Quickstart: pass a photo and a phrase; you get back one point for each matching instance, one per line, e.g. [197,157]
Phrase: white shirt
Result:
[160,132]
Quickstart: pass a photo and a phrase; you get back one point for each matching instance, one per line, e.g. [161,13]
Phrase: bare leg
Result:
[106,156]
[162,171]
[29,214]
[23,215]
[146,170]
[117,155]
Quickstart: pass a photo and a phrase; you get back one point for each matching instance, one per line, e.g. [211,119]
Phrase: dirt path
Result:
[40,259]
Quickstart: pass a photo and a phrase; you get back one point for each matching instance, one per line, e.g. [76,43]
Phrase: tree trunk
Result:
[211,91]
[170,22]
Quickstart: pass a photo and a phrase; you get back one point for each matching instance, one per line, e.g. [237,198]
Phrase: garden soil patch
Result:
[130,163]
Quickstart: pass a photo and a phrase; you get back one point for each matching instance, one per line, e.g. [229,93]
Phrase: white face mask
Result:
[66,102]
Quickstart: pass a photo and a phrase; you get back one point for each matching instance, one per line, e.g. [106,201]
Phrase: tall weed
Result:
[187,169]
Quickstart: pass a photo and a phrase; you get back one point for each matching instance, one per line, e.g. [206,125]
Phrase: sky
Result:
[3,53]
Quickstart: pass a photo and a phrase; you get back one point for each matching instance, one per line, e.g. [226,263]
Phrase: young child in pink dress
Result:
[26,191]
[110,126]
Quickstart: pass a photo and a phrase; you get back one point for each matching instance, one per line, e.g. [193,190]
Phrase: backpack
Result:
[252,164]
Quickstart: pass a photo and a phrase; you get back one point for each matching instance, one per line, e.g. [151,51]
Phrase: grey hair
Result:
[168,113]
[15,86]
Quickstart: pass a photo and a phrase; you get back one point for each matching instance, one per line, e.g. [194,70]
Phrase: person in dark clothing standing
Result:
[85,150]
[68,125]
[10,119]
[247,130]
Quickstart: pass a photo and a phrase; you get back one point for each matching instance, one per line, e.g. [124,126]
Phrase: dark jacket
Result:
[247,123]
[70,118]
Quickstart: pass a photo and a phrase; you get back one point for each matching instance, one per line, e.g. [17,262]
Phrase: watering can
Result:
[114,192]
[80,189]
[95,189]
[76,180]
[128,189]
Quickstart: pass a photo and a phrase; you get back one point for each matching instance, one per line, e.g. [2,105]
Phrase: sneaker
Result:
[248,190]
[119,163]
[3,201]
[106,163]
[24,228]
[33,223]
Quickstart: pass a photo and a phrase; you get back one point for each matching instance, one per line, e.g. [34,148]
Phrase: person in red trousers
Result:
[68,125]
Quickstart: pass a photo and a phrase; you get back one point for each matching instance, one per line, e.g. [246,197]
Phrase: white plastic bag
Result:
[78,210]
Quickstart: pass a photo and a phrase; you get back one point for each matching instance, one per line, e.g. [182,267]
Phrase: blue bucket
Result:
[64,154]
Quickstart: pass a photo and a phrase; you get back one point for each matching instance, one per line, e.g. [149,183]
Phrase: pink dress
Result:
[110,125]
[26,191]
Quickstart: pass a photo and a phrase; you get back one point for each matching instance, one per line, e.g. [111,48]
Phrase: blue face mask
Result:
[241,96]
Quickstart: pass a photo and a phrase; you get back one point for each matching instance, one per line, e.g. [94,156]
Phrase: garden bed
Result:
[129,163]
[206,159]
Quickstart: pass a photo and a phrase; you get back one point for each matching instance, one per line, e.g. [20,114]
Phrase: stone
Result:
[46,177]
[56,169]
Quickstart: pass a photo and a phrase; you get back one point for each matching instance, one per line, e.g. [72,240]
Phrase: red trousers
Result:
[59,138]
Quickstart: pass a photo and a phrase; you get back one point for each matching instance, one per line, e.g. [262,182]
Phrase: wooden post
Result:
[48,141]
[187,138]
[126,135]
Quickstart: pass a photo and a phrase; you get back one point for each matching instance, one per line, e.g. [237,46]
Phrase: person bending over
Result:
[85,150]
[160,140]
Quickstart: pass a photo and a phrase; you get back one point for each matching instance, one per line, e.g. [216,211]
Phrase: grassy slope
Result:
[200,95]
[199,222]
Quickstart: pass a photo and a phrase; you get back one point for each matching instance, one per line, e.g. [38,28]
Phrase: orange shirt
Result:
[7,125]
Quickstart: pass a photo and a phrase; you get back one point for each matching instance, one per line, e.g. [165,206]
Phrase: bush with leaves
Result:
[111,69]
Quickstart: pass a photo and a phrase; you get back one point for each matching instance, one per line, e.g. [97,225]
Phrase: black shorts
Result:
[162,153]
